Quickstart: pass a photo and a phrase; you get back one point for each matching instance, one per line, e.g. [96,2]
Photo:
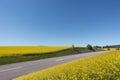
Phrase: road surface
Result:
[10,71]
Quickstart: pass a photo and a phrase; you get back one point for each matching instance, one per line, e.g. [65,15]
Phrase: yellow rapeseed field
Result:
[19,50]
[100,67]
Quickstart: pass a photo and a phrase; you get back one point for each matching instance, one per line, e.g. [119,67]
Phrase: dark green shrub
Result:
[89,47]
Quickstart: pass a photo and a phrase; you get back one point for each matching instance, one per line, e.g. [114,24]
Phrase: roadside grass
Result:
[36,56]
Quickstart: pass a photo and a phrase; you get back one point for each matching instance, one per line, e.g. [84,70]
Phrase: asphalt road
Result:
[10,71]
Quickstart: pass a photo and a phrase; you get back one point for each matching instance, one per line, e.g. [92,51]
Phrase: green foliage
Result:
[97,47]
[111,46]
[73,46]
[89,47]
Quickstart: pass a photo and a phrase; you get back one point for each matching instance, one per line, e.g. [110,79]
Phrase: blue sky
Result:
[59,22]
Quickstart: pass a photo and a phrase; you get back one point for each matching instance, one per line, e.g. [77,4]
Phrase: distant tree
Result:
[97,47]
[73,46]
[112,46]
[89,47]
[108,47]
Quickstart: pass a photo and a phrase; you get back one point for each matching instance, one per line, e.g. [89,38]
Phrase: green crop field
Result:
[100,67]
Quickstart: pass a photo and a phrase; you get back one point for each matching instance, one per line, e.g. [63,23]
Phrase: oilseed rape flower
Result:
[21,50]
